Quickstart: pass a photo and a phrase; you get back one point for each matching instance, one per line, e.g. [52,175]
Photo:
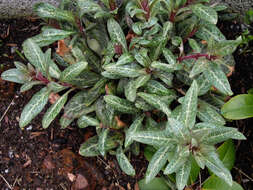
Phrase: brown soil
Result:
[37,159]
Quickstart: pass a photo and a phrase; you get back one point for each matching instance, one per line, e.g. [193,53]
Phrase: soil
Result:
[39,159]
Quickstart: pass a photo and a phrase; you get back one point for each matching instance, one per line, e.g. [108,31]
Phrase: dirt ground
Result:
[39,159]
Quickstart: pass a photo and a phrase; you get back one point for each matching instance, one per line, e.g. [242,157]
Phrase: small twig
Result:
[9,186]
[6,111]
[200,181]
[240,171]
[13,185]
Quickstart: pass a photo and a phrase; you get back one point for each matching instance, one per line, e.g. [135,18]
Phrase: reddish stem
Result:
[190,35]
[112,5]
[172,16]
[197,56]
[118,49]
[146,8]
[40,77]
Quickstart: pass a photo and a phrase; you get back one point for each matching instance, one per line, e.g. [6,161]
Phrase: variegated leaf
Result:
[206,13]
[183,174]
[124,163]
[85,121]
[102,141]
[72,71]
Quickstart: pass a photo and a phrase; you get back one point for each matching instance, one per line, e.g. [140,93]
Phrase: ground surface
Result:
[39,159]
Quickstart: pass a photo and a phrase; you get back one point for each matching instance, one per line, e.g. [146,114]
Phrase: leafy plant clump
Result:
[139,71]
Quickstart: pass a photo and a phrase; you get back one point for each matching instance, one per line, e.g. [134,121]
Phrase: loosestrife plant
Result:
[139,71]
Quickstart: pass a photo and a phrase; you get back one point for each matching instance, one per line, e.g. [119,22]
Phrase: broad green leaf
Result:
[142,57]
[165,77]
[29,85]
[50,35]
[209,31]
[189,106]
[102,141]
[120,104]
[125,59]
[124,163]
[54,110]
[218,78]
[155,87]
[21,67]
[85,121]
[46,10]
[116,33]
[137,28]
[143,105]
[213,163]
[15,75]
[200,66]
[238,107]
[157,183]
[194,45]
[154,138]
[35,55]
[155,101]
[204,84]
[178,160]
[226,154]
[183,174]
[34,107]
[194,173]
[206,13]
[72,71]
[134,127]
[215,183]
[227,47]
[157,162]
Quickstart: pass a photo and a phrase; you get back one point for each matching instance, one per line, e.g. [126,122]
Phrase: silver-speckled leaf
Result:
[102,138]
[72,71]
[206,13]
[183,174]
[124,163]
[34,107]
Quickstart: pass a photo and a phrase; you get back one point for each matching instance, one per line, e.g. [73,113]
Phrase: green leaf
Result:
[227,47]
[15,75]
[157,162]
[209,31]
[238,107]
[34,107]
[90,147]
[120,104]
[155,87]
[125,59]
[189,106]
[226,154]
[46,10]
[169,56]
[207,113]
[221,134]
[157,183]
[29,85]
[116,33]
[142,80]
[56,87]
[85,121]
[131,90]
[124,163]
[200,66]
[135,126]
[21,67]
[102,141]
[166,67]
[177,161]
[206,13]
[194,45]
[54,110]
[177,128]
[218,78]
[72,71]
[155,101]
[213,162]
[142,57]
[88,6]
[215,183]
[35,55]
[50,35]
[154,138]
[183,174]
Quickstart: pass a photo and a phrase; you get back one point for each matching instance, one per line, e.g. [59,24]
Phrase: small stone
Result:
[71,177]
[81,182]
[29,128]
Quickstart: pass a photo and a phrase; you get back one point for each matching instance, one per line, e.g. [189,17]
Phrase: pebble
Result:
[81,182]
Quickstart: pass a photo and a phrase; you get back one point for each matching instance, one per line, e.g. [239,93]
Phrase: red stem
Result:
[190,35]
[40,77]
[197,56]
[145,7]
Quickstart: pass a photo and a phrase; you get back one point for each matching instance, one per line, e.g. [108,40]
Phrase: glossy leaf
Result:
[238,107]
[183,174]
[206,13]
[15,75]
[34,107]
[54,110]
[226,154]
[124,163]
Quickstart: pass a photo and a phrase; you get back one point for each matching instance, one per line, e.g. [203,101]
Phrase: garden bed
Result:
[35,158]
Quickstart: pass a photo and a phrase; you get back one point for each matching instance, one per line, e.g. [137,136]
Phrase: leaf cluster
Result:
[139,71]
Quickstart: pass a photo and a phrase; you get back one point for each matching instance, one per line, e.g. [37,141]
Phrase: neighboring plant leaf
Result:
[157,183]
[226,154]
[238,107]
